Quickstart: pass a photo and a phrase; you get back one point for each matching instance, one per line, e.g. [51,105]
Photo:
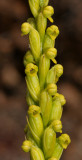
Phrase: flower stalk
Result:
[44,102]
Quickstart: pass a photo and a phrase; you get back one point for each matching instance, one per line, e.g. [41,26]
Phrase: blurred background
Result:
[13,107]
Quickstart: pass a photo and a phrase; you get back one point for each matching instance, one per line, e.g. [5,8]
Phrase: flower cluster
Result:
[45,104]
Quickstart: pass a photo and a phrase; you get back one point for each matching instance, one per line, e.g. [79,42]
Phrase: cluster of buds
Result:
[45,104]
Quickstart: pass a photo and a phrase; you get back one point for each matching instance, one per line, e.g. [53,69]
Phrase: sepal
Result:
[41,22]
[31,21]
[46,106]
[34,6]
[56,111]
[35,123]
[44,3]
[58,150]
[36,153]
[49,140]
[44,65]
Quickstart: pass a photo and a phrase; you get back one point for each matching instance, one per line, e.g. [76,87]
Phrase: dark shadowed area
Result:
[13,107]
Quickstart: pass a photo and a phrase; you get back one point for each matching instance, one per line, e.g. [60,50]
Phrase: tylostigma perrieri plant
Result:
[45,103]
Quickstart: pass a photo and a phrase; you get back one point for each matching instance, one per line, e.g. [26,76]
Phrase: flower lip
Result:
[34,110]
[31,69]
[53,32]
[64,140]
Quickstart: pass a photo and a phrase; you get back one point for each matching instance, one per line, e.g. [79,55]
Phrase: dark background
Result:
[13,107]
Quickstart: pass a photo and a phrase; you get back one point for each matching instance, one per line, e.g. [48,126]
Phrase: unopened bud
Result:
[25,28]
[26,146]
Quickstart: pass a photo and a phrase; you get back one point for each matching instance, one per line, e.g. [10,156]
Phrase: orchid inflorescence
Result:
[45,104]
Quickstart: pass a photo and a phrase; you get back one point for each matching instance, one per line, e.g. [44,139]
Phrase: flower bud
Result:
[49,140]
[61,98]
[44,3]
[44,65]
[59,70]
[34,6]
[26,146]
[53,32]
[56,111]
[46,106]
[25,28]
[48,11]
[32,22]
[57,126]
[64,140]
[28,58]
[32,81]
[41,25]
[57,150]
[36,153]
[51,88]
[35,123]
[51,53]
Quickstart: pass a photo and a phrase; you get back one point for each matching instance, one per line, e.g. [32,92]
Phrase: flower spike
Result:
[45,104]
